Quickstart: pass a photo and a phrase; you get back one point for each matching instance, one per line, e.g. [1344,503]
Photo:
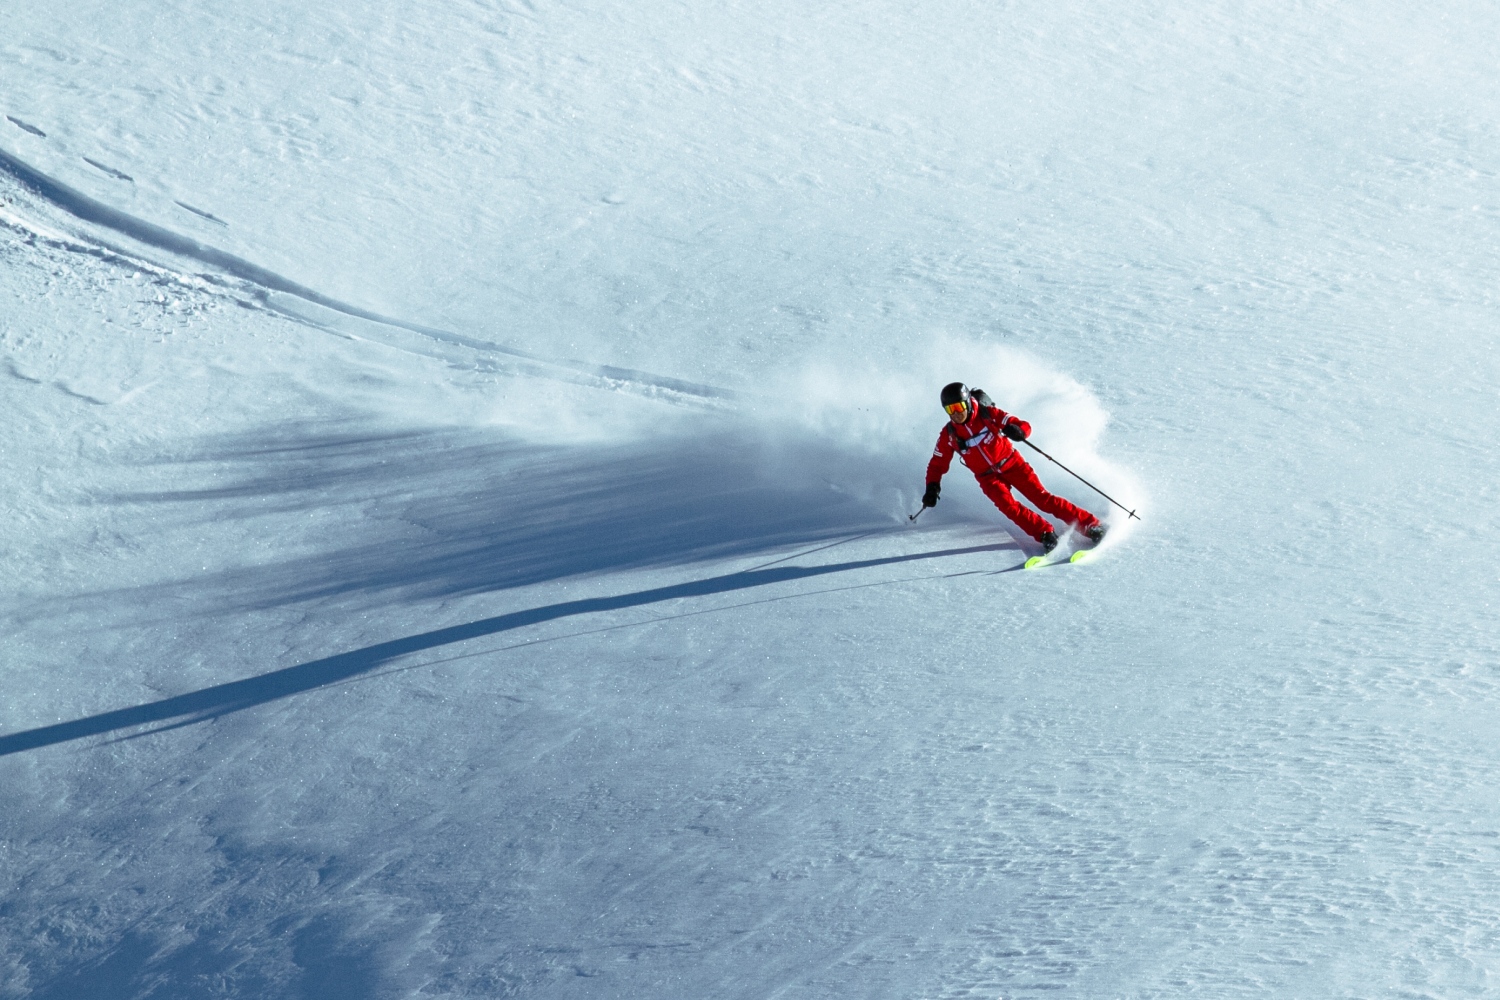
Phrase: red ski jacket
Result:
[980,442]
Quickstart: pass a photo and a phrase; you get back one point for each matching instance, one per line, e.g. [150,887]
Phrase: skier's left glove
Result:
[1014,431]
[929,499]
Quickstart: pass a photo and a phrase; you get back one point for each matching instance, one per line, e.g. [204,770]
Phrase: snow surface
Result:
[457,466]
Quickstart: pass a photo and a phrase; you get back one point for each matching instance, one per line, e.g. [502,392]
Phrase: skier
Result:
[981,433]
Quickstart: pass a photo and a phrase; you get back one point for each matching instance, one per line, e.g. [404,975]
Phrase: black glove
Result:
[929,499]
[1014,432]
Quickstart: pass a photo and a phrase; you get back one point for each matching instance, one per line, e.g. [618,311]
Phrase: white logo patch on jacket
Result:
[964,444]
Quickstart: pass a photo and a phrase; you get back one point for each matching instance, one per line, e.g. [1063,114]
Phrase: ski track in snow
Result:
[264,283]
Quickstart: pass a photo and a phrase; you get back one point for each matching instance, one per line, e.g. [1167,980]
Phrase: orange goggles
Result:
[959,410]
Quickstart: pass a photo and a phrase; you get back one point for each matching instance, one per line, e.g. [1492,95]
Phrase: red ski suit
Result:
[998,467]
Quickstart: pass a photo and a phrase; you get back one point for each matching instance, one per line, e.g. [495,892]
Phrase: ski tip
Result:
[1081,555]
[1036,561]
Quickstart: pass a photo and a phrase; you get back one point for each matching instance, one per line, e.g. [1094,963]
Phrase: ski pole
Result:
[913,517]
[1079,478]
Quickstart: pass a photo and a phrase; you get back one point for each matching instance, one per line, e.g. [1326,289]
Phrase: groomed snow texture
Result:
[456,470]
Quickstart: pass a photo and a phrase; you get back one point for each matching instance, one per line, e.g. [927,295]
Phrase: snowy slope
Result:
[457,474]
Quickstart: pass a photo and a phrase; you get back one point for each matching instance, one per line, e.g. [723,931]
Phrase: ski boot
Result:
[1096,533]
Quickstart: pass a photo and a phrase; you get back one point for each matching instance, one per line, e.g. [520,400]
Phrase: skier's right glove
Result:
[929,499]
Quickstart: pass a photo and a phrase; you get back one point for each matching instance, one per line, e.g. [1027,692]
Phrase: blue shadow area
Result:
[442,513]
[235,696]
[331,963]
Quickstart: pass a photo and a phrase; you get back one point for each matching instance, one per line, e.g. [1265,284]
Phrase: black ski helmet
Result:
[955,392]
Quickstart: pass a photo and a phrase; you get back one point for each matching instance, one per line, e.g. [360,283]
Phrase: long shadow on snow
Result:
[222,699]
[447,512]
[452,512]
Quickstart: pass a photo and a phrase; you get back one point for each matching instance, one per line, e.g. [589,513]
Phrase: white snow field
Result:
[456,467]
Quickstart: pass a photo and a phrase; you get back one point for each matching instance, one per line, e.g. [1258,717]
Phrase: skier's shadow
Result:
[222,699]
[443,513]
[446,513]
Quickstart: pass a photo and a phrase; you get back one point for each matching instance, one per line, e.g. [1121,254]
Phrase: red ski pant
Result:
[997,486]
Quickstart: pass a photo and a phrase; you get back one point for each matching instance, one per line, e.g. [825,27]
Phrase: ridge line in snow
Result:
[87,209]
